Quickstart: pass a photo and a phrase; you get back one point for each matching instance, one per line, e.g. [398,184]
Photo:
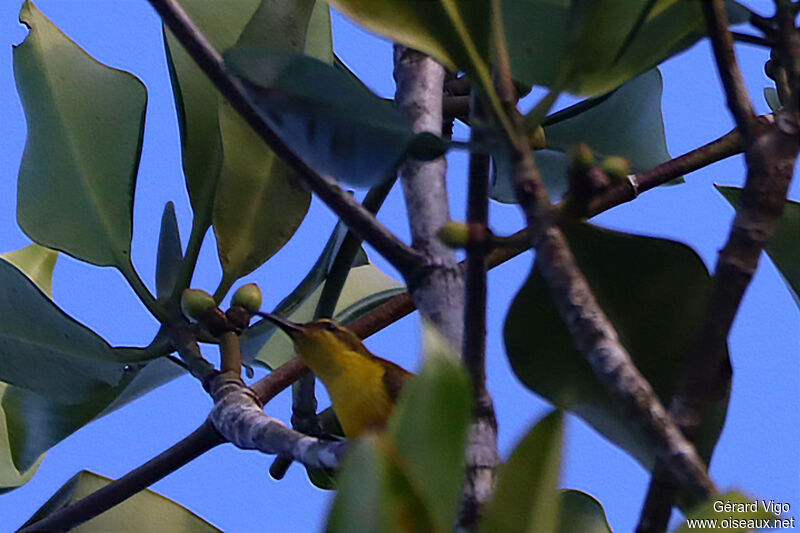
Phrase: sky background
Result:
[760,447]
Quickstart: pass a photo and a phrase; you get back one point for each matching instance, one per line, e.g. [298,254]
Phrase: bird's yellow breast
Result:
[360,401]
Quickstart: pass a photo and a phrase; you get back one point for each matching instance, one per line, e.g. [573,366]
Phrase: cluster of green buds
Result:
[587,178]
[198,305]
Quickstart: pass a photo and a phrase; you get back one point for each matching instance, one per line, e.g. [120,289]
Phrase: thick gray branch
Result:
[437,287]
[240,419]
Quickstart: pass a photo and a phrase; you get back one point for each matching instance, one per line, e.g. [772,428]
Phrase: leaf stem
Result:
[145,296]
[200,225]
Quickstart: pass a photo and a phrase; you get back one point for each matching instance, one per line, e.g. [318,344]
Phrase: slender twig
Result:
[481,451]
[591,330]
[201,440]
[230,353]
[771,152]
[361,221]
[752,39]
[732,80]
[438,286]
[185,343]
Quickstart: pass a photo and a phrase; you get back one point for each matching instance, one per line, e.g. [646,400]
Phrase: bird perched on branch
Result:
[363,387]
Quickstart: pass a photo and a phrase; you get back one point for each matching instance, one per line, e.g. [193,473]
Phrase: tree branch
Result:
[360,220]
[735,89]
[437,286]
[481,452]
[201,440]
[771,154]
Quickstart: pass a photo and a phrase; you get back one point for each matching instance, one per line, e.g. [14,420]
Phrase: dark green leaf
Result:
[356,507]
[626,122]
[146,511]
[60,375]
[258,205]
[170,253]
[580,512]
[525,498]
[783,246]
[751,514]
[324,478]
[331,122]
[592,47]
[654,291]
[85,127]
[771,96]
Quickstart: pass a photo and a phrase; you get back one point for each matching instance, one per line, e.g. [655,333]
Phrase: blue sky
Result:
[759,450]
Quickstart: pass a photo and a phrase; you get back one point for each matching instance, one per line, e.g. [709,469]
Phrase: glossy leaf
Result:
[593,47]
[61,375]
[581,512]
[259,204]
[196,98]
[145,511]
[39,344]
[279,24]
[36,262]
[331,122]
[751,514]
[170,252]
[455,32]
[429,426]
[654,291]
[85,126]
[627,122]
[525,498]
[771,96]
[783,246]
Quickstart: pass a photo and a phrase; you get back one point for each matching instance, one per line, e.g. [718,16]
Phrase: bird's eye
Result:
[331,327]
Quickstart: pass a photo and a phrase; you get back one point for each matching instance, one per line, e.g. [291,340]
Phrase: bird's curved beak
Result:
[291,328]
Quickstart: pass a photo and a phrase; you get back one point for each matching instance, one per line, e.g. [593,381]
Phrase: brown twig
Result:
[771,153]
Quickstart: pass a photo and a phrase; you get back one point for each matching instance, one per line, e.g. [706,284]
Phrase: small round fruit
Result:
[249,297]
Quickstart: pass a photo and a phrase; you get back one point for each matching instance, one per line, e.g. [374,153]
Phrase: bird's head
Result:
[321,341]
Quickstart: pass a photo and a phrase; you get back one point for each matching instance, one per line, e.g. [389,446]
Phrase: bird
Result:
[362,386]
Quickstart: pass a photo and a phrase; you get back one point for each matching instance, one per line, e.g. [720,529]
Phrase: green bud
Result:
[537,138]
[582,157]
[617,167]
[249,297]
[454,234]
[196,302]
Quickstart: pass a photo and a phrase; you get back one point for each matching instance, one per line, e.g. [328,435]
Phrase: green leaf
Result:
[429,426]
[455,32]
[319,37]
[196,98]
[626,122]
[748,514]
[36,262]
[365,288]
[325,478]
[525,498]
[39,344]
[592,47]
[654,291]
[772,98]
[581,512]
[85,127]
[258,206]
[146,511]
[331,122]
[356,507]
[783,246]
[281,24]
[170,253]
[60,375]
